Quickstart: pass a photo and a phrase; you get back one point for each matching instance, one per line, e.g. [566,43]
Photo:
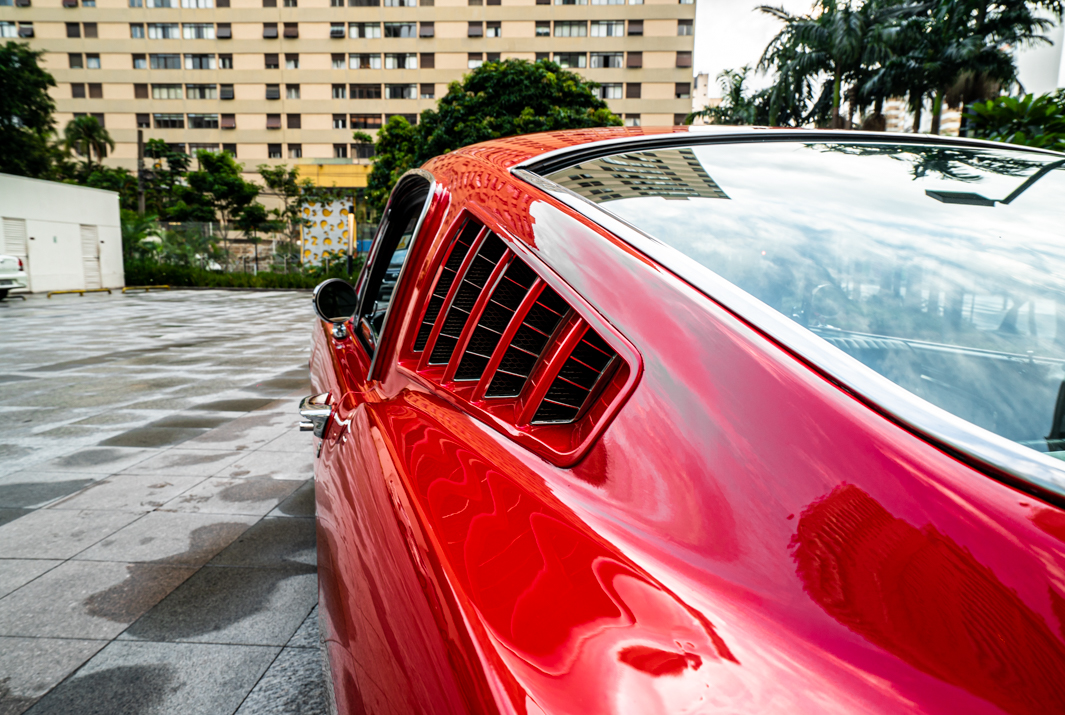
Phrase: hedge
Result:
[150,273]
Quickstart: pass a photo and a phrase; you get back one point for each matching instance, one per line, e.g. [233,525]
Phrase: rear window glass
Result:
[942,268]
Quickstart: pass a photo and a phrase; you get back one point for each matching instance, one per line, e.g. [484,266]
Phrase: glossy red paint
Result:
[742,536]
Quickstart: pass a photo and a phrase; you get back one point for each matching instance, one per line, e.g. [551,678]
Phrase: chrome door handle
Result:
[316,413]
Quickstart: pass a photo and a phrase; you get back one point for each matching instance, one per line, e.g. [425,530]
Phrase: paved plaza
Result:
[157,542]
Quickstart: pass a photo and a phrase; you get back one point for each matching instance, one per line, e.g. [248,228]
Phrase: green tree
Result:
[215,192]
[165,175]
[284,183]
[252,221]
[86,136]
[25,112]
[498,99]
[1031,121]
[737,105]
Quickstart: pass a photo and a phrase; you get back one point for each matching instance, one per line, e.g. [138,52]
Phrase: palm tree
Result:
[86,135]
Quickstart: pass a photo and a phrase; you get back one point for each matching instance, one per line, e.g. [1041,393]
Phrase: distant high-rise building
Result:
[673,174]
[287,81]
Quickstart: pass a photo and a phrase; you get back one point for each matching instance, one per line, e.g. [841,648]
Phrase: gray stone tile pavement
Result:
[157,542]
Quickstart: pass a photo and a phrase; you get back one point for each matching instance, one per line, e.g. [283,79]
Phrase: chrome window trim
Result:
[1001,458]
[421,173]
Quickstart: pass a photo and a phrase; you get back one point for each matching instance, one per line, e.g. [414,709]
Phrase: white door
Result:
[90,257]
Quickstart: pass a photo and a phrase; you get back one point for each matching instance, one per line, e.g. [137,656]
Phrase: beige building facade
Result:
[287,81]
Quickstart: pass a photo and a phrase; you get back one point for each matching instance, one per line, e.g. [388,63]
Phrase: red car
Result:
[744,421]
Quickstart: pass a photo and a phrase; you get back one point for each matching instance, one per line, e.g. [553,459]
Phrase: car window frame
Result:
[370,278]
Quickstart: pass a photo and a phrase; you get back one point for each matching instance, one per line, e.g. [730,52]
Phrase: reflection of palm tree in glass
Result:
[947,162]
[922,597]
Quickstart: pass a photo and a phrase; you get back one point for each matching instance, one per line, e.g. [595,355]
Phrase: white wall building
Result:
[69,237]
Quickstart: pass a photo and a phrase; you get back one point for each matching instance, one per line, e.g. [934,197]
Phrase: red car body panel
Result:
[743,535]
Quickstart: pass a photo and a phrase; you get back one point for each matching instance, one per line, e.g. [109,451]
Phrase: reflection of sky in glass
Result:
[961,304]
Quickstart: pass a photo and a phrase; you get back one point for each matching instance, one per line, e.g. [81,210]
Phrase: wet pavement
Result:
[157,542]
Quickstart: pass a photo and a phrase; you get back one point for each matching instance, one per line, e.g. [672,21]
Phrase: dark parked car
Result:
[743,421]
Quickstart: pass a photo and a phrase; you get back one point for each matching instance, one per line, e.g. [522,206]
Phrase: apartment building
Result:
[289,80]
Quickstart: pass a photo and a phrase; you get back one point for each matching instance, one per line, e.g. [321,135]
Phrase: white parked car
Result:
[12,274]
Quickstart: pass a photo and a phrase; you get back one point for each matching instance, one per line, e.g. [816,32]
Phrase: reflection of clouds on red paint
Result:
[919,595]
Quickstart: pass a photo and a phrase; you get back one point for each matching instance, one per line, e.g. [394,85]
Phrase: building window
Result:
[230,149]
[365,121]
[8,29]
[632,120]
[295,151]
[478,3]
[270,61]
[197,4]
[270,30]
[493,28]
[400,29]
[543,56]
[427,29]
[400,3]
[292,62]
[364,30]
[165,62]
[203,121]
[636,28]
[680,119]
[571,29]
[140,91]
[169,121]
[607,60]
[364,61]
[201,91]
[139,62]
[225,31]
[401,91]
[340,151]
[474,60]
[292,30]
[366,91]
[610,90]
[75,61]
[609,28]
[475,29]
[543,28]
[364,3]
[362,150]
[90,29]
[336,30]
[199,62]
[428,60]
[96,90]
[77,90]
[193,148]
[25,29]
[136,30]
[571,2]
[273,91]
[292,91]
[428,91]
[225,91]
[491,57]
[291,3]
[73,29]
[144,121]
[197,31]
[683,90]
[571,60]
[635,60]
[225,62]
[136,3]
[162,3]
[401,61]
[163,31]
[687,2]
[685,28]
[632,90]
[273,121]
[684,59]
[293,121]
[340,121]
[273,151]
[337,60]
[336,3]
[339,91]
[412,119]
[166,91]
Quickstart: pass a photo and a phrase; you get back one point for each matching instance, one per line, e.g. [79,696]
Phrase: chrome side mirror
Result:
[335,301]
[316,414]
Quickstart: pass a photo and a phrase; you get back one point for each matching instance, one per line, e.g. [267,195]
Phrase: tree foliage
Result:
[1031,121]
[26,108]
[86,136]
[216,191]
[738,105]
[498,99]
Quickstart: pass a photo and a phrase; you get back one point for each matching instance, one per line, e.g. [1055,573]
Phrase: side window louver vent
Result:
[447,277]
[505,301]
[582,371]
[528,344]
[473,282]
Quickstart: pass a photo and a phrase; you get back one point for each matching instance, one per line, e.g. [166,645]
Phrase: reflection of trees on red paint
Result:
[919,595]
